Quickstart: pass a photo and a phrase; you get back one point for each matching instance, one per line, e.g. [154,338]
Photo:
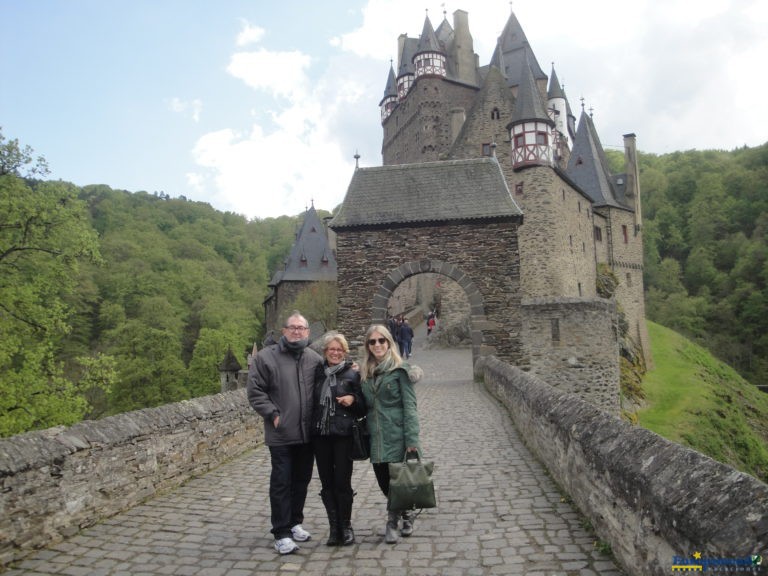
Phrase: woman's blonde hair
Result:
[392,356]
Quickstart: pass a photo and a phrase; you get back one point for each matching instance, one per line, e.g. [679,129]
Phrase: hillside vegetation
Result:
[698,401]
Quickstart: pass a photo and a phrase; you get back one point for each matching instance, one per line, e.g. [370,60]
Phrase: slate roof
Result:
[513,54]
[588,165]
[445,191]
[311,258]
[530,104]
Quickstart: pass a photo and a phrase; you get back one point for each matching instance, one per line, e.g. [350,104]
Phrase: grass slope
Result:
[694,399]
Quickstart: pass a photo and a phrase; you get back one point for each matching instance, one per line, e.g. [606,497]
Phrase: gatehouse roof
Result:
[471,189]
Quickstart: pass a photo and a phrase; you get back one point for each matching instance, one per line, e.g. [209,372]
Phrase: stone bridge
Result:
[530,481]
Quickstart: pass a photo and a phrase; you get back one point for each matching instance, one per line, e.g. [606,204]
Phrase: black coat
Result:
[347,382]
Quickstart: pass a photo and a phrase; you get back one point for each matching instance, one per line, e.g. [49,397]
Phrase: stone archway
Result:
[477,307]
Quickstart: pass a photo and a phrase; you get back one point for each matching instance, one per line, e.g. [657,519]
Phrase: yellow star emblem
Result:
[697,555]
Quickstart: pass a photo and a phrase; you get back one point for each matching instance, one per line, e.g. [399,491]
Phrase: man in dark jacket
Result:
[280,385]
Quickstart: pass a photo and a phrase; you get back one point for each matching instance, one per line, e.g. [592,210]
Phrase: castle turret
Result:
[389,102]
[429,59]
[405,70]
[531,127]
[558,112]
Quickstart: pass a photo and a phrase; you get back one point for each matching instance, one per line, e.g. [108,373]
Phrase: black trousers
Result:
[291,474]
[381,471]
[334,466]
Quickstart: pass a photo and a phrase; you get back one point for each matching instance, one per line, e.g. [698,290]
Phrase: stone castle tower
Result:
[441,105]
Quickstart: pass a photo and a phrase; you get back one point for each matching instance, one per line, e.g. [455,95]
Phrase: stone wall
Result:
[57,481]
[649,498]
[572,343]
[481,257]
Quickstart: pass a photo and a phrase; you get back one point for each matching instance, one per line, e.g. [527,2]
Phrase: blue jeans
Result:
[291,474]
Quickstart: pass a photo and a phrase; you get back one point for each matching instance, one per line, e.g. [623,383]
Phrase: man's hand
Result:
[276,420]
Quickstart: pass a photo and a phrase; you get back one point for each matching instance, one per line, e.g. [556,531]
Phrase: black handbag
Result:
[361,440]
[410,484]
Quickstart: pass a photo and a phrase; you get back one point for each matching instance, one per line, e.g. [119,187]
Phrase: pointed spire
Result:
[512,51]
[554,90]
[428,40]
[588,164]
[530,105]
[391,88]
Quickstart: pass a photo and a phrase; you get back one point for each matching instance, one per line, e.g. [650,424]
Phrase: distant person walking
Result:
[393,419]
[280,385]
[338,400]
[406,338]
[430,323]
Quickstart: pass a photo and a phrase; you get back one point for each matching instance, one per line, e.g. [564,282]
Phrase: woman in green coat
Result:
[393,421]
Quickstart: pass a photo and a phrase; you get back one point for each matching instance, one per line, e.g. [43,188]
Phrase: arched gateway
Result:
[454,218]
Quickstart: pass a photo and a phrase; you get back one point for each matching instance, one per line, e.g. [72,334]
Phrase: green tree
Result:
[44,237]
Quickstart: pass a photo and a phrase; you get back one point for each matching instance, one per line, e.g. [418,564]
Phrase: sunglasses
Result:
[372,341]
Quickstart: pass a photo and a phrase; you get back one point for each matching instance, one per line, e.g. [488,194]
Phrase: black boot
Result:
[347,535]
[334,535]
[345,518]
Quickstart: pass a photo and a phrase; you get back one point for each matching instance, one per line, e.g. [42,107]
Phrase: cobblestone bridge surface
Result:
[498,511]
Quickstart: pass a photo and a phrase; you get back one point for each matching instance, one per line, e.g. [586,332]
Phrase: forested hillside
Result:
[706,251]
[112,301]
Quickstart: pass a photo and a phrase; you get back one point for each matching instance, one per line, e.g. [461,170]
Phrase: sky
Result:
[258,107]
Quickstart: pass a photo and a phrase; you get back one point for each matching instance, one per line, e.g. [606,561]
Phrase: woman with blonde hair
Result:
[393,420]
[338,400]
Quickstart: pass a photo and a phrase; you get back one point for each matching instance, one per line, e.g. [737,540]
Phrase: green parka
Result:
[393,420]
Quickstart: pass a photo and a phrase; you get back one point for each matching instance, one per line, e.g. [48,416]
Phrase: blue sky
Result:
[258,107]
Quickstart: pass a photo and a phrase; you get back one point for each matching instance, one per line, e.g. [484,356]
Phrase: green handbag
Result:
[410,484]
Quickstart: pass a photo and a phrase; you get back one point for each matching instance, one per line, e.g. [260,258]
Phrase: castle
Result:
[490,180]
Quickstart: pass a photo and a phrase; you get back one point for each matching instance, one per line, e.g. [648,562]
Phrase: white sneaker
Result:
[299,534]
[286,546]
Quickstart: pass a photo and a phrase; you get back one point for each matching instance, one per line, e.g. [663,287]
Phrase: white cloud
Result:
[282,74]
[679,78]
[250,34]
[190,108]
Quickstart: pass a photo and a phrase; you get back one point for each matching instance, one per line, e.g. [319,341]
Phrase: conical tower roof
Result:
[554,90]
[391,88]
[529,105]
[588,165]
[428,40]
[311,258]
[513,53]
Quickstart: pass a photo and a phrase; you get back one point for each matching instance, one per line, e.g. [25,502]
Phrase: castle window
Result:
[629,280]
[519,140]
[486,149]
[579,206]
[519,188]
[584,247]
[598,234]
[554,324]
[579,288]
[495,114]
[570,240]
[563,191]
[624,232]
[579,161]
[541,138]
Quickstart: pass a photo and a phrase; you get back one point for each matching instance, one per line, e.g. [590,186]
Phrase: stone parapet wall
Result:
[55,482]
[649,498]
